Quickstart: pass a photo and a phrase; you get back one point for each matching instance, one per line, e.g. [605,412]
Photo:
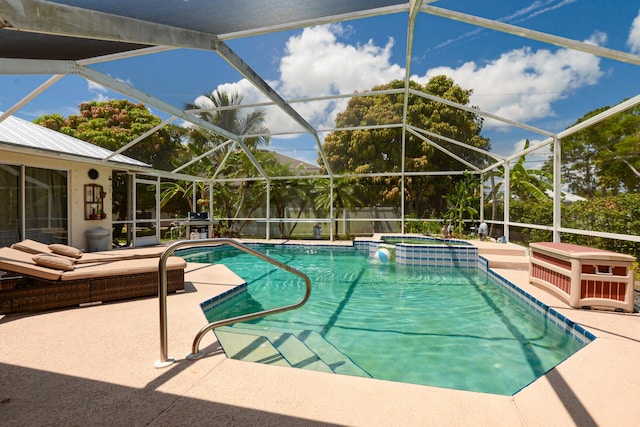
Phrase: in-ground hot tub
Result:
[583,276]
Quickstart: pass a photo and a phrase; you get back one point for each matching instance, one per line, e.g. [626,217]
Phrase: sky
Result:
[538,84]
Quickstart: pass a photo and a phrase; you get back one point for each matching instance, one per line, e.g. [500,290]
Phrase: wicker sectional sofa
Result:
[27,286]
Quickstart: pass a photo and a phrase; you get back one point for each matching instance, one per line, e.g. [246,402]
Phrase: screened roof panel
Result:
[230,16]
[217,17]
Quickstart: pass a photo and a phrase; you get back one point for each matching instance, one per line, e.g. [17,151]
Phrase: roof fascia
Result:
[71,157]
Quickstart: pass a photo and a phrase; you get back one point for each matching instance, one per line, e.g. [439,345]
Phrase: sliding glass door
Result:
[34,204]
[10,226]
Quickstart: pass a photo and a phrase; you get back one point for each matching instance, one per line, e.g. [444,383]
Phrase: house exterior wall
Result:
[77,178]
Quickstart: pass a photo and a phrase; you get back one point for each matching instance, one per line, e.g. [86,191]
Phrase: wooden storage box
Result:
[583,276]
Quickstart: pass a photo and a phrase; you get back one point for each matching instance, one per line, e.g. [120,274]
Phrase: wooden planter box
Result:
[583,276]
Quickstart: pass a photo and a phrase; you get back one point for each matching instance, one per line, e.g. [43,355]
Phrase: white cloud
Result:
[102,93]
[520,85]
[98,91]
[634,35]
[317,63]
[523,84]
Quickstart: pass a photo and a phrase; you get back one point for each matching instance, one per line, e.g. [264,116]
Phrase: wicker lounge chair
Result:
[27,286]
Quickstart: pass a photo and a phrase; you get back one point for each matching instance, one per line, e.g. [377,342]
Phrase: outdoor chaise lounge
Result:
[34,247]
[28,286]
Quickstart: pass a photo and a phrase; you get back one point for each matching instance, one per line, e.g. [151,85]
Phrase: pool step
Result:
[509,262]
[250,348]
[301,349]
[282,349]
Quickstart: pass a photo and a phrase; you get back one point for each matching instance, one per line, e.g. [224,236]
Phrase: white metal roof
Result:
[21,133]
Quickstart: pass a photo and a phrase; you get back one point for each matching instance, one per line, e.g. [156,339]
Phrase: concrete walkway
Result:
[94,366]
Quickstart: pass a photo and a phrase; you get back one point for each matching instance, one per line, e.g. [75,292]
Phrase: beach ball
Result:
[383,255]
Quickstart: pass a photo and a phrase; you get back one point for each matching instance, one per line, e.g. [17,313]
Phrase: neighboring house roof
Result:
[567,197]
[302,168]
[21,133]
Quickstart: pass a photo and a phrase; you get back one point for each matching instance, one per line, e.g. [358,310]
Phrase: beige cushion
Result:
[121,268]
[70,251]
[21,262]
[52,261]
[31,247]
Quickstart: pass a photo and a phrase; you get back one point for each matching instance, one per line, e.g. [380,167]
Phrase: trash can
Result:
[98,239]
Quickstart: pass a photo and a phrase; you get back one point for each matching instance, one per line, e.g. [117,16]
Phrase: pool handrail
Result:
[165,360]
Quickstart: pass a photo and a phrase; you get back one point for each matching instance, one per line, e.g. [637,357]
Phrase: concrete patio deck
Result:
[94,366]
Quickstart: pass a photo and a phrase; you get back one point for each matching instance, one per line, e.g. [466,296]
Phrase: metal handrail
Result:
[165,360]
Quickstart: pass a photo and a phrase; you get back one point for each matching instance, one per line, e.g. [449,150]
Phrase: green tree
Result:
[603,158]
[380,149]
[113,124]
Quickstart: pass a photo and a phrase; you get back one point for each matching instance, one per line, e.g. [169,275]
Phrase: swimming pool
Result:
[456,327]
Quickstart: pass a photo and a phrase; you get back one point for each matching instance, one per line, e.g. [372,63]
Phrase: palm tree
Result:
[201,140]
[231,119]
[286,193]
[345,196]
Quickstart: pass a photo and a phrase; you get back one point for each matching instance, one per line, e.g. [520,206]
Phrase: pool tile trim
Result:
[223,298]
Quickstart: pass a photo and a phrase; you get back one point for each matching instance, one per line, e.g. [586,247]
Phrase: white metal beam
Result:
[458,143]
[141,137]
[34,66]
[203,155]
[482,113]
[623,106]
[243,68]
[444,150]
[534,35]
[317,21]
[62,20]
[118,86]
[33,94]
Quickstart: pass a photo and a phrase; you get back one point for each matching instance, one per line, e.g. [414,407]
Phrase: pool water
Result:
[453,328]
